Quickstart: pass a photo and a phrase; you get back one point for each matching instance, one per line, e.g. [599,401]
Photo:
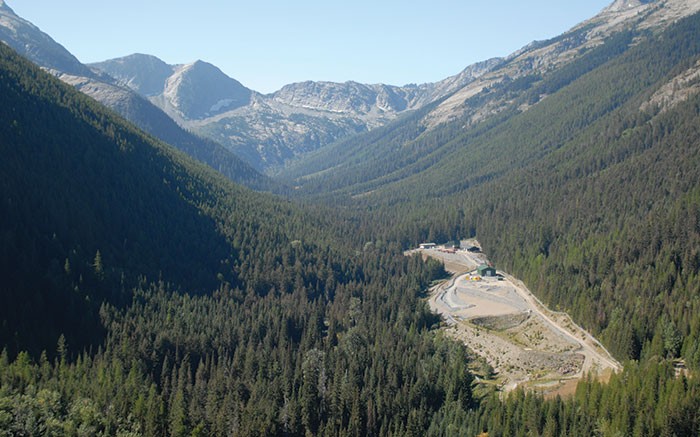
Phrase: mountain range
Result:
[579,171]
[272,131]
[435,134]
[266,131]
[41,49]
[269,130]
[143,293]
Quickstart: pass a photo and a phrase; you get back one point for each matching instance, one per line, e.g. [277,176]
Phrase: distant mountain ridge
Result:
[377,100]
[36,45]
[270,129]
[154,73]
[30,42]
[541,57]
[518,84]
[190,91]
[200,90]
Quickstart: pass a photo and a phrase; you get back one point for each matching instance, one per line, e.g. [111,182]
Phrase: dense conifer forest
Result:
[145,294]
[594,204]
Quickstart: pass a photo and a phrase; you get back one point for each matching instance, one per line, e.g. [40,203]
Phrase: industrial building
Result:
[486,271]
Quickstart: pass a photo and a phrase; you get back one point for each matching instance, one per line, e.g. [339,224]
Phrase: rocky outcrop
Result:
[375,101]
[540,57]
[30,42]
[268,130]
[200,90]
[144,74]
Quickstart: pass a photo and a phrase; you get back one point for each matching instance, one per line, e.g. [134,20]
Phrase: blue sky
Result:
[269,43]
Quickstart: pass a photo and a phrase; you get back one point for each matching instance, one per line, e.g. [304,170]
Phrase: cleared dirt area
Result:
[500,320]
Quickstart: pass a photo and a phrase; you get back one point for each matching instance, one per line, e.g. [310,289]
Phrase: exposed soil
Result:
[501,321]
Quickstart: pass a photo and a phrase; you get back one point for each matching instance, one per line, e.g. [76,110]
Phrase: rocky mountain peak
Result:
[30,42]
[200,89]
[144,74]
[623,5]
[540,57]
[329,96]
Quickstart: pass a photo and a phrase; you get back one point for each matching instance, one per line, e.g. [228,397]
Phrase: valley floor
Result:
[499,319]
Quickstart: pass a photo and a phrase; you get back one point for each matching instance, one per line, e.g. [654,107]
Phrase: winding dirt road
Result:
[596,354]
[522,339]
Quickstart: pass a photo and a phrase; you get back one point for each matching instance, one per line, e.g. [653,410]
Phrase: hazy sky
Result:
[269,43]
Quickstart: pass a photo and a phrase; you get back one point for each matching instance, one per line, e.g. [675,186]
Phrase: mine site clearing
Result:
[500,320]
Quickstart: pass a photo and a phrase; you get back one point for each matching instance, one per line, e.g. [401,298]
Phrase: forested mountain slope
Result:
[78,181]
[590,195]
[169,301]
[468,132]
[602,217]
[606,225]
[40,48]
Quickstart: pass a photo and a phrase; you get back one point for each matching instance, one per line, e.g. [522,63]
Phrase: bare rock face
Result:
[200,90]
[540,57]
[348,97]
[144,74]
[622,5]
[378,100]
[30,42]
[677,90]
[363,101]
[189,92]
[121,95]
[268,130]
